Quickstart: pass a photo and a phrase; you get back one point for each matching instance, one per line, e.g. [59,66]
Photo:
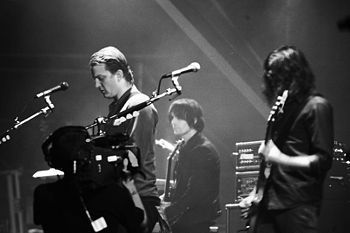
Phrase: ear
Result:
[119,74]
[195,121]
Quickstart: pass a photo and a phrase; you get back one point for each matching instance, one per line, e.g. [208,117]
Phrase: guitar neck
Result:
[265,167]
[167,179]
[168,172]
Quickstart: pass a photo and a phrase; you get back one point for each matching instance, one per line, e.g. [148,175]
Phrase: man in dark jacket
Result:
[195,198]
[115,80]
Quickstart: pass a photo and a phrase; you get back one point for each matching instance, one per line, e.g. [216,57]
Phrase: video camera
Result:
[93,163]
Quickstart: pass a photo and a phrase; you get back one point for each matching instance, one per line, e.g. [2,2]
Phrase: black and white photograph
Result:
[174,116]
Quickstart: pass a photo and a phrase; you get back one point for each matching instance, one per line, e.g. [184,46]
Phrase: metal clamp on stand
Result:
[127,113]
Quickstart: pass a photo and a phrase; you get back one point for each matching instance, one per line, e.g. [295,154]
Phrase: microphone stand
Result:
[174,80]
[46,111]
[130,112]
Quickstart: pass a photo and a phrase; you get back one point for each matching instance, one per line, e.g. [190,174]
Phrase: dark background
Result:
[45,42]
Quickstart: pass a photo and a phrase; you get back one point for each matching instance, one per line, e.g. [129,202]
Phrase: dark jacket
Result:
[141,131]
[195,198]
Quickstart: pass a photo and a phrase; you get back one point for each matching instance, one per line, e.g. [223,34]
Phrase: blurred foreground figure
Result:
[91,196]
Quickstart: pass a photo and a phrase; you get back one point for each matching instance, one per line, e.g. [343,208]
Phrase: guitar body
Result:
[253,213]
[265,168]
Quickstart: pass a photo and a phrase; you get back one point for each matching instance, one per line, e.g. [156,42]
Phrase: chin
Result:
[178,134]
[107,96]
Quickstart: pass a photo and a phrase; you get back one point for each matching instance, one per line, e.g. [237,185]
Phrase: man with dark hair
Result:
[195,198]
[299,148]
[114,79]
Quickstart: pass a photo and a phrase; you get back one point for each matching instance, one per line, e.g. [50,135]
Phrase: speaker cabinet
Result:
[335,216]
[234,223]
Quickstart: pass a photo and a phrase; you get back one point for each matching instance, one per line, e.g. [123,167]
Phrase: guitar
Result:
[174,150]
[169,169]
[265,167]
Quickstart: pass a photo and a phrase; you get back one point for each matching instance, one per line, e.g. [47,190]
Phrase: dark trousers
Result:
[202,227]
[150,204]
[301,219]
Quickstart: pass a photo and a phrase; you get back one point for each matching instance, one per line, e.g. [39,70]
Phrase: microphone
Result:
[62,87]
[193,67]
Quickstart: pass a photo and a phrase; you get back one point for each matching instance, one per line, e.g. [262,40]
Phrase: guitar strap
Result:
[292,110]
[134,100]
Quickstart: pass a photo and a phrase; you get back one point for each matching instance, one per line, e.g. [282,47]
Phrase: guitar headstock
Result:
[165,144]
[168,145]
[277,108]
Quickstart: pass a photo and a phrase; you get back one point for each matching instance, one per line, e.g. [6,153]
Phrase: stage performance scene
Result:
[174,116]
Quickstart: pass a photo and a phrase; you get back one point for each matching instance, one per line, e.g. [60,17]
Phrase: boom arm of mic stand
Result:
[158,88]
[137,107]
[46,111]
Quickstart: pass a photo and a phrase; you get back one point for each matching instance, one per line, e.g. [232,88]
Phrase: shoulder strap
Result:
[284,126]
[134,99]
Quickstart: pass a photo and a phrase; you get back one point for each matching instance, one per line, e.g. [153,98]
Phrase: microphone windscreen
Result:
[195,66]
[64,85]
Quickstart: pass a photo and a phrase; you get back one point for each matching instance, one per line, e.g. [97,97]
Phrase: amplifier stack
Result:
[246,168]
[246,162]
[336,200]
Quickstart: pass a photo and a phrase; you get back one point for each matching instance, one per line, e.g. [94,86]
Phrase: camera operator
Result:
[91,197]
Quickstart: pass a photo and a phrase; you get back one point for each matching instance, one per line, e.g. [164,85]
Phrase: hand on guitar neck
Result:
[270,152]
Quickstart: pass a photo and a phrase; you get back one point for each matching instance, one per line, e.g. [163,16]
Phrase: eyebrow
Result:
[99,76]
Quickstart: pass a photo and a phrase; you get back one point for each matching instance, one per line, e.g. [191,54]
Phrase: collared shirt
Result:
[311,133]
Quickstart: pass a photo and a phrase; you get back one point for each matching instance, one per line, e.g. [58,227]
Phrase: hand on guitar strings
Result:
[246,203]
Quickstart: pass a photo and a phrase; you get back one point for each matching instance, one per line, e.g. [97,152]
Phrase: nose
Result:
[97,83]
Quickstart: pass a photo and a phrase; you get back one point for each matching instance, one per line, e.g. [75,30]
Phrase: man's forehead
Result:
[99,69]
